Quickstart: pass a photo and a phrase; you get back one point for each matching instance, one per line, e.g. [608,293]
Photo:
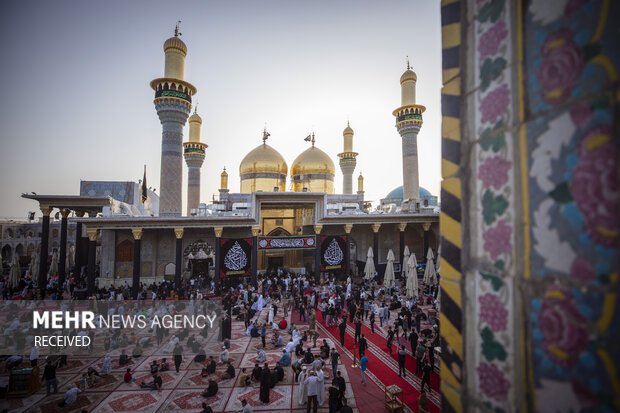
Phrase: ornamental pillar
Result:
[45,235]
[77,269]
[375,244]
[92,250]
[178,263]
[254,270]
[218,234]
[317,254]
[347,253]
[62,263]
[137,248]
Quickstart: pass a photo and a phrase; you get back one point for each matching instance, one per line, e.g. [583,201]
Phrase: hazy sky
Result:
[77,102]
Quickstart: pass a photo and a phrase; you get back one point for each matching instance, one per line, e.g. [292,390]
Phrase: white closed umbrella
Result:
[403,264]
[70,262]
[54,264]
[15,272]
[34,263]
[412,277]
[369,268]
[388,278]
[430,276]
[438,260]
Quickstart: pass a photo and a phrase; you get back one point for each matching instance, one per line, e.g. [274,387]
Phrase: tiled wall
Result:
[530,205]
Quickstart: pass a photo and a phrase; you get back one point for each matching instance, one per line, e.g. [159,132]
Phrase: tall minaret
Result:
[173,102]
[224,182]
[194,153]
[408,123]
[347,161]
[360,184]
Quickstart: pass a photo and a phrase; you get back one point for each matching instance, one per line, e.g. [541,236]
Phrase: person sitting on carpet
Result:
[211,366]
[224,356]
[277,340]
[70,396]
[154,367]
[261,357]
[285,360]
[244,378]
[201,356]
[153,385]
[230,372]
[308,357]
[278,373]
[164,366]
[137,351]
[123,359]
[127,378]
[256,372]
[211,390]
[299,349]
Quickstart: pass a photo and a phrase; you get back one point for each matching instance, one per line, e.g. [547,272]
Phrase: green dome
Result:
[396,197]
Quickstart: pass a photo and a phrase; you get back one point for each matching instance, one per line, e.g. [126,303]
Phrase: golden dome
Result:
[263,158]
[408,75]
[175,43]
[347,130]
[313,161]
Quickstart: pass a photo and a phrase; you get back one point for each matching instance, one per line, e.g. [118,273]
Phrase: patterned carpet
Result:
[181,391]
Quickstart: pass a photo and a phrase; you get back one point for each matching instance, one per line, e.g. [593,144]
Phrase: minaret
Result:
[224,182]
[173,102]
[194,153]
[408,123]
[347,161]
[360,184]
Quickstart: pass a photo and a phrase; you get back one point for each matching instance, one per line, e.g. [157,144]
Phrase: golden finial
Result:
[196,109]
[177,33]
[313,139]
[224,169]
[408,67]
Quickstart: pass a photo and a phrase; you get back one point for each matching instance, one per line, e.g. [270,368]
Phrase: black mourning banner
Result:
[235,256]
[333,255]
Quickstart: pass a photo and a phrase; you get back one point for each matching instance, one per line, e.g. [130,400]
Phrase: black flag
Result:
[144,186]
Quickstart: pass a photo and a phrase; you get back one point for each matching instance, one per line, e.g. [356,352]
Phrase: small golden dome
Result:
[348,130]
[195,118]
[408,75]
[263,158]
[175,43]
[313,161]
[224,173]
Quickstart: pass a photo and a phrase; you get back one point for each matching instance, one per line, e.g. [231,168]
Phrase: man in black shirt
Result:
[230,372]
[362,346]
[358,329]
[211,366]
[342,386]
[334,397]
[256,372]
[402,356]
[426,376]
[345,408]
[335,356]
[211,390]
[49,375]
[343,329]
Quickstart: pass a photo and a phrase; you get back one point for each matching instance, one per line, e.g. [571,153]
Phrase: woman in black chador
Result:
[265,384]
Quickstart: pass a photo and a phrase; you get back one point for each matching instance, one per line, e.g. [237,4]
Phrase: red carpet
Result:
[383,372]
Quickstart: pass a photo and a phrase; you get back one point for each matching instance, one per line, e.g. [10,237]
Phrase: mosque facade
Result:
[281,217]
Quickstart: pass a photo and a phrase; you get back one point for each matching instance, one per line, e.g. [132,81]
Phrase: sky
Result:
[77,103]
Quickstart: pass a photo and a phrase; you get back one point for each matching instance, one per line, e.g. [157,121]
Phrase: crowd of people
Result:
[338,302]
